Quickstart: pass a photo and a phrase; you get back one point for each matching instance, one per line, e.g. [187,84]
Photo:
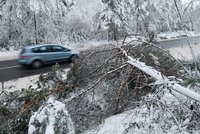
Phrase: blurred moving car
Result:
[38,55]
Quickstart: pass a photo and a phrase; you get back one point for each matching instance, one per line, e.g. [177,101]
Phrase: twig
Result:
[176,121]
[108,73]
[120,91]
[105,63]
[188,6]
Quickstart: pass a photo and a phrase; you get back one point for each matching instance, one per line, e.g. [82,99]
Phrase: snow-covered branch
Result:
[161,79]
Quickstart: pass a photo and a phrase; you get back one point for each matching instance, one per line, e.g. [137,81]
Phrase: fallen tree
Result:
[159,77]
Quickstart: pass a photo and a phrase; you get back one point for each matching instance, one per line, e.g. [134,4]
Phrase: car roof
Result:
[39,45]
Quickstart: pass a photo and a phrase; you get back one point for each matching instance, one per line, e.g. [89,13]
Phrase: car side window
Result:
[57,49]
[42,49]
[35,50]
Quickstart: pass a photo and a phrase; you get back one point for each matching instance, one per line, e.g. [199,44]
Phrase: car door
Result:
[44,53]
[60,53]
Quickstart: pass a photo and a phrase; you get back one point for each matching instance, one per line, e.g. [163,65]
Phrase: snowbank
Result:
[8,55]
[22,83]
[18,84]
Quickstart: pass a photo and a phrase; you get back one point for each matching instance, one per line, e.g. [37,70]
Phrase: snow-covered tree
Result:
[46,21]
[32,21]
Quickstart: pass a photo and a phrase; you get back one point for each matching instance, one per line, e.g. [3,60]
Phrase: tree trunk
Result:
[35,27]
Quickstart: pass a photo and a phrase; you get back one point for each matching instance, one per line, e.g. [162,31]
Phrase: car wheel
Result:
[73,58]
[37,64]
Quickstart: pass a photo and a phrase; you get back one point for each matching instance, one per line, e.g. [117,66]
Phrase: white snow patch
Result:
[21,83]
[140,120]
[114,125]
[144,119]
[8,55]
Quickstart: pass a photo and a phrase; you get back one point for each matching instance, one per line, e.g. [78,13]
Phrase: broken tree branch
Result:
[163,79]
[160,78]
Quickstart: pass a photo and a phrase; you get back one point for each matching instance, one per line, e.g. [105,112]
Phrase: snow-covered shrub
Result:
[51,118]
[16,107]
[52,79]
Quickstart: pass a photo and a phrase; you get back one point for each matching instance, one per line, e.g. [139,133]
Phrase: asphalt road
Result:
[11,70]
[178,42]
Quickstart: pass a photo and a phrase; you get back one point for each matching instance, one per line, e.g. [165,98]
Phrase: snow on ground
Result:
[18,84]
[185,52]
[115,124]
[8,55]
[128,122]
[21,83]
[144,119]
